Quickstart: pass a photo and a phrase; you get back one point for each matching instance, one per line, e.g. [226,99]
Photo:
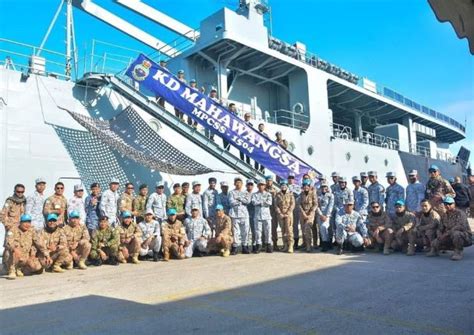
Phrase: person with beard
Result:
[308,205]
[325,206]
[415,193]
[378,224]
[56,242]
[20,242]
[35,203]
[285,205]
[14,207]
[57,204]
[437,188]
[174,237]
[402,224]
[426,226]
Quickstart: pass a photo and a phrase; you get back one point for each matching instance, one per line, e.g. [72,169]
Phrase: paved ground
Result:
[259,294]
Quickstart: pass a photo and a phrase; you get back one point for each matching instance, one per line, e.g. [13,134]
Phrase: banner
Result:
[217,119]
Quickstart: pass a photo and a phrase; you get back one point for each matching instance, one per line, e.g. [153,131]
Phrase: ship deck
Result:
[265,294]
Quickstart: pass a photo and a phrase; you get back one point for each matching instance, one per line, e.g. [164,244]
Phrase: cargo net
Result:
[93,159]
[129,134]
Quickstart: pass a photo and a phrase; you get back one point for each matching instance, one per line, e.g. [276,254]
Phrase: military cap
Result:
[224,183]
[400,203]
[391,175]
[451,180]
[249,181]
[40,180]
[159,184]
[142,186]
[213,89]
[185,184]
[171,211]
[356,178]
[219,208]
[192,81]
[95,185]
[176,185]
[335,174]
[180,71]
[126,214]
[163,61]
[342,180]
[238,178]
[448,200]
[372,173]
[413,173]
[195,208]
[278,133]
[291,176]
[25,218]
[212,180]
[268,177]
[434,167]
[114,181]
[149,211]
[363,174]
[261,182]
[78,188]
[283,182]
[74,215]
[324,184]
[349,202]
[52,217]
[321,177]
[195,183]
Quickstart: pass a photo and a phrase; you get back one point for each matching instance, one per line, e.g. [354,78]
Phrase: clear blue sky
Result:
[397,43]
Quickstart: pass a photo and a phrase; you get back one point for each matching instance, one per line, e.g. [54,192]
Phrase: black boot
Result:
[339,249]
[269,248]
[233,251]
[113,261]
[245,250]
[156,256]
[258,248]
[97,262]
[324,246]
[295,246]
[254,249]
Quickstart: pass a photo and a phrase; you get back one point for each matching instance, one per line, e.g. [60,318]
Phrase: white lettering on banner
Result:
[188,95]
[160,76]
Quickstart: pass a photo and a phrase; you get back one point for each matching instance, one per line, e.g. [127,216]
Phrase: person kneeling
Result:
[174,237]
[198,233]
[151,236]
[78,238]
[351,228]
[55,240]
[130,239]
[223,240]
[105,243]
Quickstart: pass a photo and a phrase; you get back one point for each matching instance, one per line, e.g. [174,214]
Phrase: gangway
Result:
[151,107]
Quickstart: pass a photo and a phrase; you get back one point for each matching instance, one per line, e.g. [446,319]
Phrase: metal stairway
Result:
[169,119]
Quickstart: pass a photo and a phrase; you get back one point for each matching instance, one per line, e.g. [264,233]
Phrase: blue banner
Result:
[217,119]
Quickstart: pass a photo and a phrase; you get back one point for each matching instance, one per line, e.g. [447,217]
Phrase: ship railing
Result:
[287,118]
[420,150]
[445,156]
[345,133]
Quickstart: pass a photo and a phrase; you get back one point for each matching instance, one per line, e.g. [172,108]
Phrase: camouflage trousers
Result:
[25,262]
[59,257]
[130,249]
[381,236]
[453,240]
[108,252]
[274,226]
[401,240]
[315,232]
[263,232]
[286,225]
[324,229]
[199,244]
[219,242]
[81,252]
[240,230]
[307,230]
[150,246]
[423,237]
[173,250]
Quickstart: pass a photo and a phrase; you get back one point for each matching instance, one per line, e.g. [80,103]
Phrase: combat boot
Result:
[245,250]
[11,274]
[70,265]
[156,256]
[269,248]
[308,247]
[285,247]
[386,249]
[166,256]
[57,268]
[290,247]
[113,261]
[233,251]
[339,249]
[457,255]
[135,259]
[19,273]
[275,246]
[411,250]
[296,243]
[432,253]
[97,262]
[82,264]
[258,248]
[226,253]
[324,246]
[254,249]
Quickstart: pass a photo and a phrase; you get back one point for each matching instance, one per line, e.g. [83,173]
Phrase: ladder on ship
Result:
[151,107]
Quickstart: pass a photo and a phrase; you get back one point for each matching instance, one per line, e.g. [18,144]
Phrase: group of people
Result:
[108,227]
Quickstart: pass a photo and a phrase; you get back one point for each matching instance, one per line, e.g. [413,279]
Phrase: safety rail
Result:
[420,150]
[288,118]
[345,133]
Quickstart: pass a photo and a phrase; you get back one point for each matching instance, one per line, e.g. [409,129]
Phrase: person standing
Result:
[35,203]
[139,203]
[92,208]
[13,208]
[437,188]
[307,206]
[285,206]
[223,199]
[249,185]
[125,203]
[209,202]
[239,199]
[270,188]
[361,198]
[108,203]
[415,193]
[295,189]
[262,218]
[394,193]
[194,199]
[325,206]
[177,201]
[157,202]
[375,189]
[57,204]
[76,203]
[463,196]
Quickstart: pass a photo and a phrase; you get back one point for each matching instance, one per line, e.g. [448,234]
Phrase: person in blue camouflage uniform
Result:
[223,198]
[295,189]
[361,198]
[335,179]
[194,199]
[350,228]
[415,193]
[239,199]
[393,193]
[262,201]
[109,202]
[325,206]
[92,208]
[375,189]
[364,178]
[249,185]
[209,202]
[198,233]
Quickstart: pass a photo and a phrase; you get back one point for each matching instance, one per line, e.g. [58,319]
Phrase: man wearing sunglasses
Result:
[378,224]
[394,192]
[57,204]
[437,188]
[126,199]
[14,207]
[402,224]
[454,231]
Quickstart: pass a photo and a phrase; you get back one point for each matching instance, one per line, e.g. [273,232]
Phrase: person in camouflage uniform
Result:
[157,202]
[426,226]
[14,207]
[350,228]
[198,233]
[130,239]
[139,203]
[285,205]
[222,241]
[105,243]
[361,198]
[125,202]
[35,203]
[174,237]
[92,208]
[273,191]
[415,193]
[177,201]
[249,186]
[209,202]
[224,197]
[364,177]
[454,231]
[295,189]
[57,204]
[194,198]
[262,218]
[307,206]
[76,203]
[402,224]
[375,189]
[325,207]
[109,202]
[151,236]
[19,242]
[379,227]
[335,182]
[437,188]
[56,242]
[78,240]
[393,193]
[239,199]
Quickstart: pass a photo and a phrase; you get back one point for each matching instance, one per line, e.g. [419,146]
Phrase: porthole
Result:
[310,150]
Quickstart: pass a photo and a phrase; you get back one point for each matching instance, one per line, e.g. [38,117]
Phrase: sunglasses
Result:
[20,192]
[130,188]
[390,177]
[60,188]
[375,207]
